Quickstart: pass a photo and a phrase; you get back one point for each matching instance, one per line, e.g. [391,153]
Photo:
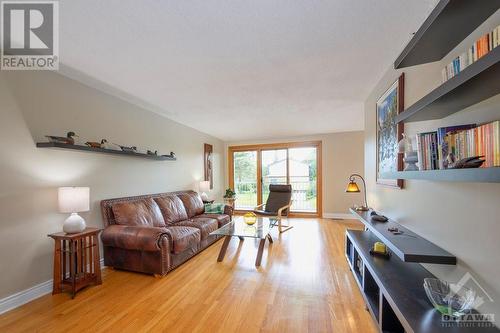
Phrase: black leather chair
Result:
[278,205]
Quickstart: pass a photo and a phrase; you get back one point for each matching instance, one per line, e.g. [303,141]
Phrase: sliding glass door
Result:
[303,175]
[274,169]
[245,179]
[254,168]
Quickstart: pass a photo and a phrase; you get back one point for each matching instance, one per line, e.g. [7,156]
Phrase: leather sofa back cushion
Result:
[172,209]
[193,203]
[143,212]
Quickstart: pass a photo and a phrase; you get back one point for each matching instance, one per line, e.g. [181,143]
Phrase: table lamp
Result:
[352,187]
[204,187]
[73,200]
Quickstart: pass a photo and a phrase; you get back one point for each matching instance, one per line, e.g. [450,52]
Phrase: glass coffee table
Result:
[238,228]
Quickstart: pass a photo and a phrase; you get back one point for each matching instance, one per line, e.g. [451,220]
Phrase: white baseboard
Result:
[338,216]
[25,296]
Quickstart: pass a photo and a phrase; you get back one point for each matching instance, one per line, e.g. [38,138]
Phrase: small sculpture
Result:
[69,139]
[172,155]
[468,162]
[96,144]
[132,149]
[154,153]
[410,155]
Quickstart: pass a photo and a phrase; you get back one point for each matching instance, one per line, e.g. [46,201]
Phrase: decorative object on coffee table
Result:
[208,164]
[76,260]
[352,187]
[73,200]
[389,132]
[250,218]
[68,139]
[204,188]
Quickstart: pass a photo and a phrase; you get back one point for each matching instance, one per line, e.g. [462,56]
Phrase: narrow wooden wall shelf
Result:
[474,84]
[450,22]
[408,246]
[478,175]
[102,150]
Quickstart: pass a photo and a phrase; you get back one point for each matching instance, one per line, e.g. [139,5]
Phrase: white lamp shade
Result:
[73,199]
[205,186]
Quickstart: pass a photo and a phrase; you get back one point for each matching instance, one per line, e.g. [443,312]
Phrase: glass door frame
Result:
[259,148]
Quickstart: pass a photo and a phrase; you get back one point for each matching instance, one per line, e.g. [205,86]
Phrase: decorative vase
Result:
[250,218]
[230,201]
[411,159]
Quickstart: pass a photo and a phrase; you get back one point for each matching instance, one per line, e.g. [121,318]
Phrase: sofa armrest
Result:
[136,237]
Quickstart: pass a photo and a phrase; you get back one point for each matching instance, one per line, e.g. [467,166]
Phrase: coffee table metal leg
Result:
[260,251]
[223,249]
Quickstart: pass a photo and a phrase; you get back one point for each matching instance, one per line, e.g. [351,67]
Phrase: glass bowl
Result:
[449,298]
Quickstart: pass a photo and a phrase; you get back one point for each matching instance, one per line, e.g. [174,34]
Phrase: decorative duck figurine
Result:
[96,144]
[132,149]
[69,139]
[172,154]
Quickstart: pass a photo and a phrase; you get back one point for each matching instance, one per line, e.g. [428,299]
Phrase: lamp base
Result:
[204,196]
[74,224]
[362,208]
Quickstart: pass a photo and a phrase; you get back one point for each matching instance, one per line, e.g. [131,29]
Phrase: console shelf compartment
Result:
[394,293]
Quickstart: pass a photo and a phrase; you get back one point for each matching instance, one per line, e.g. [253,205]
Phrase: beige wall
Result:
[463,218]
[33,104]
[342,156]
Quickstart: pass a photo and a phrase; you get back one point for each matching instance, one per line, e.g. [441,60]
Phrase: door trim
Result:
[285,145]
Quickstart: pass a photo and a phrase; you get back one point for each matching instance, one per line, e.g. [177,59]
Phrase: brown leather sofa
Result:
[156,233]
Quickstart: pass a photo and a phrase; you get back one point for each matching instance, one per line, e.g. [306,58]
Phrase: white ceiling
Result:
[240,69]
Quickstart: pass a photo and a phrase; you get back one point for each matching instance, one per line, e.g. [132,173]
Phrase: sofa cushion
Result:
[172,209]
[143,212]
[222,219]
[193,203]
[184,237]
[205,224]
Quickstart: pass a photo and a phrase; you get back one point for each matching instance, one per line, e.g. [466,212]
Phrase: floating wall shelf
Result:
[477,175]
[477,82]
[408,246]
[450,22]
[102,150]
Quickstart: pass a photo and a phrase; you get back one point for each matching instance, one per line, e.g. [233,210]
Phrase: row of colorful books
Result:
[479,49]
[441,148]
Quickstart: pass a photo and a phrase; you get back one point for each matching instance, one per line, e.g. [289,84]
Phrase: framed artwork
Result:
[389,105]
[208,162]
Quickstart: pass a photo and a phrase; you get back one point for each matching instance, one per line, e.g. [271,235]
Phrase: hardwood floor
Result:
[303,285]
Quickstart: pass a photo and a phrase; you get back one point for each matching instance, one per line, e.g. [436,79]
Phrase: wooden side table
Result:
[76,260]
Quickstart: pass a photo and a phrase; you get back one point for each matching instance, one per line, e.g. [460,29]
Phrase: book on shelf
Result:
[435,149]
[443,144]
[479,49]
